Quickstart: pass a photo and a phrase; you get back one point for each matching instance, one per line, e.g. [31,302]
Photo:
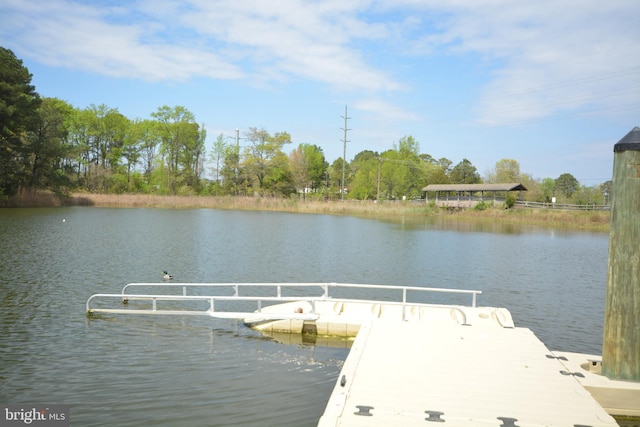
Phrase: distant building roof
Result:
[475,187]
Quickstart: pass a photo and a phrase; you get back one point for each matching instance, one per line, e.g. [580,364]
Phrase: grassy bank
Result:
[550,218]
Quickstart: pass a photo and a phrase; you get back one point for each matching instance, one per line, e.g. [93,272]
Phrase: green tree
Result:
[278,181]
[394,175]
[464,173]
[316,165]
[79,142]
[606,190]
[264,160]
[308,167]
[548,186]
[133,144]
[117,128]
[47,145]
[19,104]
[436,170]
[181,141]
[192,158]
[220,148]
[234,178]
[566,184]
[335,175]
[149,140]
[299,173]
[434,174]
[403,170]
[587,196]
[407,147]
[103,130]
[107,128]
[445,165]
[365,168]
[505,171]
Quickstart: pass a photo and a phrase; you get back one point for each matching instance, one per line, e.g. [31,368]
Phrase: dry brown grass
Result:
[32,199]
[247,203]
[551,218]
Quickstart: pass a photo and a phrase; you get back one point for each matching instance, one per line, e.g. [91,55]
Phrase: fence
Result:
[563,206]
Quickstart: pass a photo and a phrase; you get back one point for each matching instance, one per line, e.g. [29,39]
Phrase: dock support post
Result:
[621,338]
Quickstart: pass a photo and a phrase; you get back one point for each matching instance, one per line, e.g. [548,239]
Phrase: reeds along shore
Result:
[552,218]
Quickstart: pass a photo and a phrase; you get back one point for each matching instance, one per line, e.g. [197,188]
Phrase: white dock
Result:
[413,373]
[412,362]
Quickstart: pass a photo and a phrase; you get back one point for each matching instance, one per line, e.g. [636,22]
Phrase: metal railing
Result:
[240,292]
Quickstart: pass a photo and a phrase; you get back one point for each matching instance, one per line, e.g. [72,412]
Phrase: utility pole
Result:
[237,161]
[237,152]
[344,154]
[379,167]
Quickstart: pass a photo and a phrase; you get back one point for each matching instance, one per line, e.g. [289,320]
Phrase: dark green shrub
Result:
[480,206]
[509,202]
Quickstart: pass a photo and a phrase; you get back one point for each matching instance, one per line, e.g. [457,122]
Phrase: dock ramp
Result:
[336,308]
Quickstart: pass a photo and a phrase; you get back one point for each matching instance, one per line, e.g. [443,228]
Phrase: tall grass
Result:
[551,218]
[32,199]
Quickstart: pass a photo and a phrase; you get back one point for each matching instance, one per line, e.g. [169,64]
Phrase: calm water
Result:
[167,371]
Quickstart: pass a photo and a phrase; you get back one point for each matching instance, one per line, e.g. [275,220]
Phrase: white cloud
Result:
[174,40]
[66,34]
[294,39]
[543,48]
[380,108]
[545,59]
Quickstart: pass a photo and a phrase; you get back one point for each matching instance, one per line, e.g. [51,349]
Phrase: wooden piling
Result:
[621,338]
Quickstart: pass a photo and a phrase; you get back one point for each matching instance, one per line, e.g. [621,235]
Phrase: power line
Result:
[573,82]
[544,88]
[556,117]
[556,103]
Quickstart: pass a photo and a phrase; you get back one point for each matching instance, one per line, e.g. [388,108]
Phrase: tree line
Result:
[48,144]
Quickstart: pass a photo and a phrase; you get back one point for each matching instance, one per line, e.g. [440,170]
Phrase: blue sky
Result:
[553,84]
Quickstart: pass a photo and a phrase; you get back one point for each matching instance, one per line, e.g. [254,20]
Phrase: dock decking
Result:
[412,374]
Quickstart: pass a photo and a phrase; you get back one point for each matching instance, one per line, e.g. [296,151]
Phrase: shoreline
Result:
[597,221]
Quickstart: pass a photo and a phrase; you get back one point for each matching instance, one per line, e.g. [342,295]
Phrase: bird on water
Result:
[166,275]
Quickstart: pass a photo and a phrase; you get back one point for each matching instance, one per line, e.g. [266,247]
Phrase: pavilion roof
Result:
[475,187]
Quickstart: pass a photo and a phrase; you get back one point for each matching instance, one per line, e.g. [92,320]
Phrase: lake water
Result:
[167,371]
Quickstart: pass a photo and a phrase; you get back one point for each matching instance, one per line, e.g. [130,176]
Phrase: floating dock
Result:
[413,361]
[413,373]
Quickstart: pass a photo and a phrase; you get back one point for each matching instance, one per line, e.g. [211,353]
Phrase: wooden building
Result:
[467,195]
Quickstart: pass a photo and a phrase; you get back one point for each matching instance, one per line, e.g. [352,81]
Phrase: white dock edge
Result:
[615,396]
[411,374]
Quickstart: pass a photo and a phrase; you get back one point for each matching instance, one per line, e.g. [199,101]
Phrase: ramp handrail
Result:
[324,286]
[154,298]
[236,288]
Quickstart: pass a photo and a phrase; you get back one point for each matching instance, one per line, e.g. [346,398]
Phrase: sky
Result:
[552,84]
